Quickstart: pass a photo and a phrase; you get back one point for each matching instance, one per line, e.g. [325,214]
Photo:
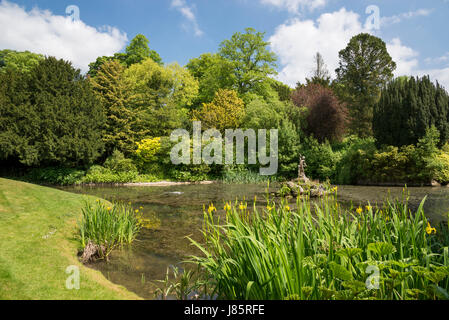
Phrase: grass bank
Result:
[37,236]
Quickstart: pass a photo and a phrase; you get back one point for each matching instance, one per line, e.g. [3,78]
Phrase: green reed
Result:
[322,251]
[108,226]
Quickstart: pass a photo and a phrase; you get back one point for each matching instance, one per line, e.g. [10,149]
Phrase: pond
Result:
[177,212]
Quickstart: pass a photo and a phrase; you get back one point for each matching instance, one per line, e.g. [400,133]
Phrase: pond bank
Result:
[158,184]
[38,226]
[177,211]
[432,183]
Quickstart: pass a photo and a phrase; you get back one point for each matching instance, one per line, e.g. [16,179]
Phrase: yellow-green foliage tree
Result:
[226,111]
[113,92]
[160,96]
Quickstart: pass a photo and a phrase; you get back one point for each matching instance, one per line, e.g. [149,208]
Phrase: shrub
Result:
[240,174]
[117,163]
[438,166]
[320,158]
[190,173]
[289,148]
[354,162]
[363,162]
[55,176]
[146,153]
[99,174]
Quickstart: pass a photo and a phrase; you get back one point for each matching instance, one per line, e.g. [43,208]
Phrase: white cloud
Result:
[442,75]
[385,21]
[294,6]
[297,41]
[443,59]
[187,13]
[41,31]
[405,57]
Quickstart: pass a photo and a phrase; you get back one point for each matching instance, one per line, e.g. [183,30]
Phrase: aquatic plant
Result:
[322,251]
[242,175]
[182,285]
[104,227]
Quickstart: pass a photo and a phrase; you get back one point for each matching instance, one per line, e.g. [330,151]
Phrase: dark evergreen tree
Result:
[19,121]
[50,116]
[283,90]
[365,66]
[407,108]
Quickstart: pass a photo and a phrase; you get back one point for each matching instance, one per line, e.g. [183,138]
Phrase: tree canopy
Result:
[326,117]
[160,96]
[365,66]
[226,111]
[50,116]
[20,61]
[137,51]
[407,108]
[251,60]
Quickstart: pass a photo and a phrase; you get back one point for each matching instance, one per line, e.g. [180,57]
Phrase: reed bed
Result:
[321,251]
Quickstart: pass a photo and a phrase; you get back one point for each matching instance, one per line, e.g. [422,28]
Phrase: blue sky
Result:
[415,31]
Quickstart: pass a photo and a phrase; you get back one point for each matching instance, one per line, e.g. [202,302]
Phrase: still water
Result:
[177,212]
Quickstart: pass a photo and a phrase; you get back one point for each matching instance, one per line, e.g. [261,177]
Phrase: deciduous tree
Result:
[326,115]
[213,72]
[21,61]
[160,97]
[251,59]
[137,51]
[226,111]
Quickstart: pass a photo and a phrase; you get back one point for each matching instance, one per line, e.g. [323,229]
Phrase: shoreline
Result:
[47,247]
[167,183]
[147,184]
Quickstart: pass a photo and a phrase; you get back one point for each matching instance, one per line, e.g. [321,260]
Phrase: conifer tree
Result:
[365,66]
[114,95]
[409,107]
[50,117]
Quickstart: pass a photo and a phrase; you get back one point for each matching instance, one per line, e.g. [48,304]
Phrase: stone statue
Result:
[302,169]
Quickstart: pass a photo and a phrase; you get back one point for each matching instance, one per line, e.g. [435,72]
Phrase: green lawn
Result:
[37,244]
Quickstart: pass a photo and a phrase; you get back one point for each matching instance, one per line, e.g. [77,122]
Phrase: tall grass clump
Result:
[105,227]
[322,251]
[239,175]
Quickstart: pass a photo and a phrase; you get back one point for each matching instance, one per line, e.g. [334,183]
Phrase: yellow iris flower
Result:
[211,209]
[429,229]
